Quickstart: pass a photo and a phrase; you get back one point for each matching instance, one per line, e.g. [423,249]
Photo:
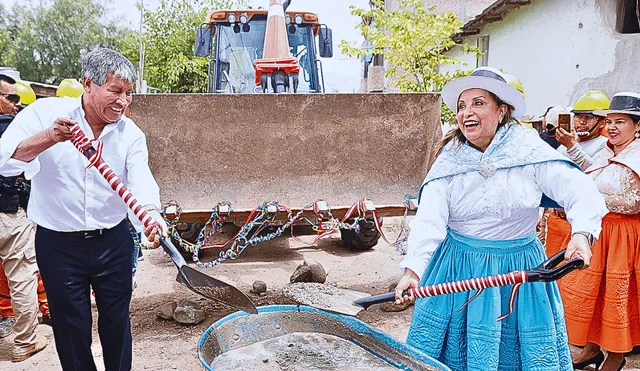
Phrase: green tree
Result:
[168,39]
[46,41]
[414,40]
[5,37]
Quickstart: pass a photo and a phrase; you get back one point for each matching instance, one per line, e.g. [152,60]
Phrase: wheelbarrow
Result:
[290,329]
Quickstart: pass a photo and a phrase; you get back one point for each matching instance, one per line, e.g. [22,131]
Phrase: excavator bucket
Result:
[294,149]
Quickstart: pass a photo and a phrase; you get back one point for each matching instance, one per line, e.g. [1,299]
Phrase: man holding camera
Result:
[580,143]
[17,249]
[583,141]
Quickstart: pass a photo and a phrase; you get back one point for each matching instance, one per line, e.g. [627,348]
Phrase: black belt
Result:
[84,234]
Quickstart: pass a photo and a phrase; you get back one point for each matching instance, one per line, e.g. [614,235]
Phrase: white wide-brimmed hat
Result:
[489,79]
[626,102]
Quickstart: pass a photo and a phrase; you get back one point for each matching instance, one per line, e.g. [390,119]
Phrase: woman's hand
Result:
[566,138]
[579,245]
[408,280]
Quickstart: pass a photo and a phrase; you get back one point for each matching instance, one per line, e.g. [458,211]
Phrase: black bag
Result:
[9,203]
[14,190]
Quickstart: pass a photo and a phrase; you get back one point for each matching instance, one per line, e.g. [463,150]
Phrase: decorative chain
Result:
[263,217]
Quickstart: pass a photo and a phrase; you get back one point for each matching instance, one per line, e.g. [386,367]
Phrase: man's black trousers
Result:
[71,264]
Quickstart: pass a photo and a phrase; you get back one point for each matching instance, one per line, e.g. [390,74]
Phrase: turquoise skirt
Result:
[533,337]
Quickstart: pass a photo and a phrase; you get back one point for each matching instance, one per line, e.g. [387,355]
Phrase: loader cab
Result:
[233,40]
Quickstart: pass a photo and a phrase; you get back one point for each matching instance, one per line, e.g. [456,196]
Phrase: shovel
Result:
[334,299]
[545,272]
[194,280]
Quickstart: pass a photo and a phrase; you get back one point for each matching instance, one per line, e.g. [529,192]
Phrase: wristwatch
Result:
[588,235]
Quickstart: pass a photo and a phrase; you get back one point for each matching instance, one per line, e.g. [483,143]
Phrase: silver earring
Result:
[637,135]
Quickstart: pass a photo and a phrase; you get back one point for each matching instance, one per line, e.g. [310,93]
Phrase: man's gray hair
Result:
[100,62]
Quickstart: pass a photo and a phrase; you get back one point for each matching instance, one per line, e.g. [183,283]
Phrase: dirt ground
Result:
[166,345]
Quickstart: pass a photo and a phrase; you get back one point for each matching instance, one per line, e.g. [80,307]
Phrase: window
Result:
[629,16]
[483,45]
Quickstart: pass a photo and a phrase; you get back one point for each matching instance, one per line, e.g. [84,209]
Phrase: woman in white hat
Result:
[603,302]
[477,217]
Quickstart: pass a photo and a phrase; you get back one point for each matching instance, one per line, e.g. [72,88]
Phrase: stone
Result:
[188,315]
[302,274]
[391,307]
[259,287]
[318,274]
[187,303]
[165,311]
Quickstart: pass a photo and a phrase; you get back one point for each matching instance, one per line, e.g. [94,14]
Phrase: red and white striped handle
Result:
[83,144]
[512,278]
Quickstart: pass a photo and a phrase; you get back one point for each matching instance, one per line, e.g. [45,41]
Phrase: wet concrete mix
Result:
[301,352]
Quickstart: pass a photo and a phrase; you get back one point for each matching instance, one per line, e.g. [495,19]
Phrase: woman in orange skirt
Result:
[558,232]
[602,302]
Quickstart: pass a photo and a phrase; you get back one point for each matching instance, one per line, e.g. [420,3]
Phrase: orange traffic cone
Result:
[276,69]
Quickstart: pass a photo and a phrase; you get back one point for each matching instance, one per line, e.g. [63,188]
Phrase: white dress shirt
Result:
[65,195]
[503,206]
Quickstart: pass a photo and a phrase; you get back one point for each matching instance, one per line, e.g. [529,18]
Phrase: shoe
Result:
[6,326]
[140,255]
[595,360]
[41,343]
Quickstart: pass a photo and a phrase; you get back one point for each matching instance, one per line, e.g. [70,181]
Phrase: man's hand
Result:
[59,131]
[567,139]
[579,245]
[151,232]
[409,279]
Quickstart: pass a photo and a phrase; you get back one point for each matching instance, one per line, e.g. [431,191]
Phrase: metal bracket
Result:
[223,209]
[413,204]
[368,205]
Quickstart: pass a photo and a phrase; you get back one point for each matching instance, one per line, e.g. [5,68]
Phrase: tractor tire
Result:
[366,239]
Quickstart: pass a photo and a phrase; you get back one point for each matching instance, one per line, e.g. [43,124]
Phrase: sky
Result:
[342,73]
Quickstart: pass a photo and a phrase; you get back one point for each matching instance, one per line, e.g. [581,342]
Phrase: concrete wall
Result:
[561,49]
[296,149]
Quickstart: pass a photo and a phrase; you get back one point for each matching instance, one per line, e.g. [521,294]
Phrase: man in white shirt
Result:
[82,241]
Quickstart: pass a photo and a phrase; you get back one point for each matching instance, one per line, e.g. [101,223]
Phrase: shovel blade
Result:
[325,297]
[214,289]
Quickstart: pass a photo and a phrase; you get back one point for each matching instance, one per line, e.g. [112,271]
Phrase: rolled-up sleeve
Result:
[140,180]
[26,124]
[428,227]
[579,156]
[576,193]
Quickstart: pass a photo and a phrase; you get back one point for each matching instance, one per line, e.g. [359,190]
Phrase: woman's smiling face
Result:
[478,117]
[621,130]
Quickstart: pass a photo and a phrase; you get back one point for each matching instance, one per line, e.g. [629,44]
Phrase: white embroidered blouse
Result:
[618,178]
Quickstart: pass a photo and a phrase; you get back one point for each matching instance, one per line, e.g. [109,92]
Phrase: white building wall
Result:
[561,48]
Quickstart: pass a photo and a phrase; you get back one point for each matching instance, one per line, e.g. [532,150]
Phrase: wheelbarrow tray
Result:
[240,330]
